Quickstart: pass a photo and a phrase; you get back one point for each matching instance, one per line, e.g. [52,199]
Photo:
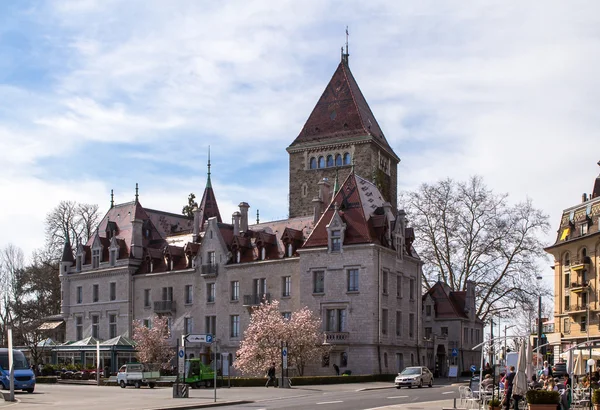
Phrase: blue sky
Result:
[99,95]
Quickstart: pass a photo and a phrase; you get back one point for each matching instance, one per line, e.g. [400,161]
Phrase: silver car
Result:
[414,376]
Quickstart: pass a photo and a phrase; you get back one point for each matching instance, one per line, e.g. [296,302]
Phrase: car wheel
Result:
[410,387]
[137,385]
[29,390]
[151,385]
[431,382]
[2,386]
[122,384]
[420,383]
[398,387]
[208,383]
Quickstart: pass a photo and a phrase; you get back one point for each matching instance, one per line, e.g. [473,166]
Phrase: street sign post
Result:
[284,354]
[202,338]
[473,368]
[181,361]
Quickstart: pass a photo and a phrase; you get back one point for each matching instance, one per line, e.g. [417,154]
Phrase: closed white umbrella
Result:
[530,368]
[520,381]
[579,367]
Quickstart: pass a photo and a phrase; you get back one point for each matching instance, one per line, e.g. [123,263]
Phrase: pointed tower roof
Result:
[67,255]
[341,112]
[596,190]
[208,206]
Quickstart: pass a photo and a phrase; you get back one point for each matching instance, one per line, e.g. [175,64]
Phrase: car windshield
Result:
[18,357]
[409,371]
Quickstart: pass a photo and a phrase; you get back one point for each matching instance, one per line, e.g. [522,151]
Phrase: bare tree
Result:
[465,232]
[70,221]
[11,263]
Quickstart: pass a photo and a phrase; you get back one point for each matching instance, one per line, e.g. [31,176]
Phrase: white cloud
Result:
[505,90]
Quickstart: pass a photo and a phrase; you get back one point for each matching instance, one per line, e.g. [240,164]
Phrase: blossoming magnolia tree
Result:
[152,342]
[261,344]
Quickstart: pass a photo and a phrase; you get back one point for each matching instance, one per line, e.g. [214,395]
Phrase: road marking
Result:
[397,397]
[331,402]
[447,392]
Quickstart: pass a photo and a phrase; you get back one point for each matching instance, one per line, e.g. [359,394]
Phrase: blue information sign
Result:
[473,368]
[455,352]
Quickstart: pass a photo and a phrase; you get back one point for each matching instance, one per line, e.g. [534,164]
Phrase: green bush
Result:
[596,396]
[542,397]
[46,379]
[494,403]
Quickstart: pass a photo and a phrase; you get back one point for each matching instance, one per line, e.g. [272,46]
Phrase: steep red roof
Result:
[342,111]
[208,206]
[352,210]
[448,304]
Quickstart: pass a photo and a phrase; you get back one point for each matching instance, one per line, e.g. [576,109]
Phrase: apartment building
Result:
[576,255]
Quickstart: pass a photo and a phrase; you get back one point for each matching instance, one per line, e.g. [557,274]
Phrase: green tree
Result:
[188,210]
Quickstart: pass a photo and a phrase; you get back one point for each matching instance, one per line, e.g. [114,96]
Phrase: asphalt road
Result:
[353,400]
[328,397]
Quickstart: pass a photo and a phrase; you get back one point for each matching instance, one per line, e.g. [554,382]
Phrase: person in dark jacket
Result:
[271,375]
[508,387]
[337,369]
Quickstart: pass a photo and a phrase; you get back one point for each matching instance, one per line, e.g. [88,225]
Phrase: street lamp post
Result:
[504,352]
[539,324]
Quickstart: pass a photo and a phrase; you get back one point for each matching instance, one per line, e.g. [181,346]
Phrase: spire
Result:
[596,190]
[208,183]
[112,199]
[336,187]
[208,205]
[345,55]
[67,255]
[137,197]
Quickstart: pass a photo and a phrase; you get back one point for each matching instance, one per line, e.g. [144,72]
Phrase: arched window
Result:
[321,162]
[338,160]
[567,259]
[347,159]
[583,253]
[329,160]
[313,163]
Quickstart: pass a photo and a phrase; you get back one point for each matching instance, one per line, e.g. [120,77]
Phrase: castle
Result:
[345,252]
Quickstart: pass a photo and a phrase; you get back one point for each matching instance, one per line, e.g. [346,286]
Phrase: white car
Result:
[414,376]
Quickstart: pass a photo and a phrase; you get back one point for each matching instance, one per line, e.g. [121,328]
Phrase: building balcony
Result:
[580,286]
[575,309]
[255,300]
[336,337]
[164,306]
[210,270]
[580,264]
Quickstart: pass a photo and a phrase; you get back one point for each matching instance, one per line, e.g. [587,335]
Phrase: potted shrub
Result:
[596,399]
[542,399]
[494,404]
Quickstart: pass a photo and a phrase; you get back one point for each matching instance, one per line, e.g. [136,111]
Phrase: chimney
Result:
[236,222]
[387,208]
[584,197]
[325,190]
[318,206]
[244,219]
[137,249]
[196,233]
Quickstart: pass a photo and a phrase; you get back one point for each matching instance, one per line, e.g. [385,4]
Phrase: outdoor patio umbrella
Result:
[529,357]
[520,381]
[580,364]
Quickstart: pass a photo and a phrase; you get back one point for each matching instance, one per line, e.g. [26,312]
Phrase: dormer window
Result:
[399,247]
[238,257]
[336,244]
[263,253]
[583,229]
[211,258]
[96,258]
[290,250]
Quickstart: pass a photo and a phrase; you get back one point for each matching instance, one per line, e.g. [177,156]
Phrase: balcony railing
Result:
[576,308]
[255,300]
[579,286]
[580,264]
[337,337]
[164,306]
[210,269]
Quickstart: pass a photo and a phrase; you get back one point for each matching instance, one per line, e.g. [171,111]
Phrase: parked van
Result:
[24,377]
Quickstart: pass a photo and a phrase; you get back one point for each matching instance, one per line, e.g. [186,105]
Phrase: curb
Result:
[202,405]
[377,388]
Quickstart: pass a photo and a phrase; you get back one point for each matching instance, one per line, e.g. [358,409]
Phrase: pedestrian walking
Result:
[271,375]
[337,369]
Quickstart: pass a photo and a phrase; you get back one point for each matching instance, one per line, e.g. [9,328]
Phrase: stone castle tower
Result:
[340,133]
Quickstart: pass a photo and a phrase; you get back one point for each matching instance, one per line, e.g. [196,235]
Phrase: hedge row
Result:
[46,379]
[310,380]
